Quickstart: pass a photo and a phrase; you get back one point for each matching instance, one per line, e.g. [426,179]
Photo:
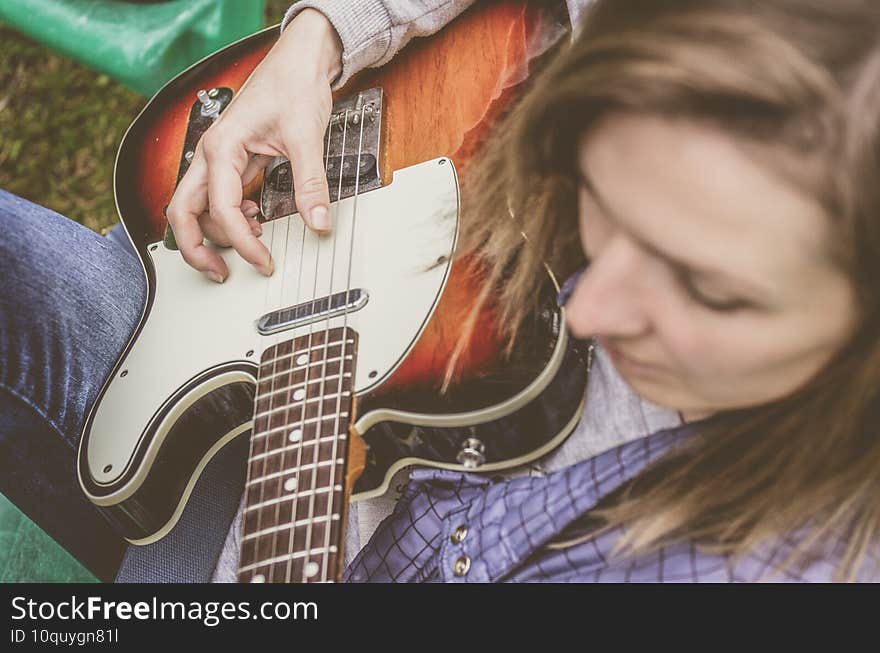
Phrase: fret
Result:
[273,443]
[296,415]
[286,537]
[300,372]
[306,400]
[304,364]
[302,441]
[322,463]
[313,340]
[304,350]
[288,511]
[269,461]
[289,556]
[280,527]
[331,377]
[293,495]
[308,421]
[280,451]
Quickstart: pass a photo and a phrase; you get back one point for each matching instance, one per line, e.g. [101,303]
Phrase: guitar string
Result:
[318,421]
[250,490]
[287,434]
[326,548]
[327,518]
[275,390]
[337,227]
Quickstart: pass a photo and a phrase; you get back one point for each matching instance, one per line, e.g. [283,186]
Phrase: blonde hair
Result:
[804,74]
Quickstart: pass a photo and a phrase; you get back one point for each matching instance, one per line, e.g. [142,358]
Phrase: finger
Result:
[187,204]
[250,209]
[225,198]
[214,232]
[306,154]
[255,226]
[256,163]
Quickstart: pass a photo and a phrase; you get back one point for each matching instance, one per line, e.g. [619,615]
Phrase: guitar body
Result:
[371,313]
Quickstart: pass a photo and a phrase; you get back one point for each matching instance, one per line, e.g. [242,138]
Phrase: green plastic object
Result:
[28,555]
[143,45]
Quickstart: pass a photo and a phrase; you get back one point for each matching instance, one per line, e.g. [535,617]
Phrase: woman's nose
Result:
[609,298]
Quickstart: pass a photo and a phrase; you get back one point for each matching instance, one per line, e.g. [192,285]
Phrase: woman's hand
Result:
[282,110]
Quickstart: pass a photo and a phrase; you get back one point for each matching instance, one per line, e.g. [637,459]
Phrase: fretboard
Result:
[294,497]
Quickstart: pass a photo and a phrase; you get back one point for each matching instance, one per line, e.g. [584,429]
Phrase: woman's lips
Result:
[622,360]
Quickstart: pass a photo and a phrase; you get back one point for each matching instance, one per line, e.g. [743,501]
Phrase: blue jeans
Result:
[69,301]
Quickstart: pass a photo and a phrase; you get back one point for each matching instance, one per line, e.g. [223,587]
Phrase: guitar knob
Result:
[472,453]
[210,106]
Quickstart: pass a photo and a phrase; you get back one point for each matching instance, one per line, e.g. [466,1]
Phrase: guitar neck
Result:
[295,497]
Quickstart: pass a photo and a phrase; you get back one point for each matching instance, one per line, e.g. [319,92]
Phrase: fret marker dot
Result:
[290,484]
[312,568]
[302,359]
[299,394]
[295,435]
[258,578]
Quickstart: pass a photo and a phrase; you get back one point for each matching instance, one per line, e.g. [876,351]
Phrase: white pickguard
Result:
[400,233]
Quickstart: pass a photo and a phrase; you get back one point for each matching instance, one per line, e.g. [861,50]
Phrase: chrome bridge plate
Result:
[351,151]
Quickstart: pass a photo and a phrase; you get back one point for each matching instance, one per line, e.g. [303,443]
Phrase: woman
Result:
[712,162]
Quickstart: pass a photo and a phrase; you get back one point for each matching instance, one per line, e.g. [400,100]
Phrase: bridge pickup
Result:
[280,179]
[313,311]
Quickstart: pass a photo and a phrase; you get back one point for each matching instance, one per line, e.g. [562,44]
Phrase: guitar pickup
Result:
[351,170]
[317,310]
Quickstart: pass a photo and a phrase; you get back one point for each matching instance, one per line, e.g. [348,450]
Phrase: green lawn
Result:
[60,126]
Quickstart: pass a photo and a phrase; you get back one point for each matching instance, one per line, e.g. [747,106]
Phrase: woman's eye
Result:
[712,304]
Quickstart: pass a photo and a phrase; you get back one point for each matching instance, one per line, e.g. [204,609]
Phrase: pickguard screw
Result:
[249,354]
[442,161]
[214,92]
[374,374]
[124,373]
[189,156]
[153,248]
[441,260]
[107,469]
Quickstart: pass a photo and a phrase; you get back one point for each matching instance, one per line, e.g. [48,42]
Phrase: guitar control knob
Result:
[210,106]
[472,453]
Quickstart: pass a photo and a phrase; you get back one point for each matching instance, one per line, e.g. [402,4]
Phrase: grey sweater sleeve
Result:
[373,31]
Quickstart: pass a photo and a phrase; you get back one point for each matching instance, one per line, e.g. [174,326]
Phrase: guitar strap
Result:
[189,553]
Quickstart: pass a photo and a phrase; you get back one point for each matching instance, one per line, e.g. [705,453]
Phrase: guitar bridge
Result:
[355,125]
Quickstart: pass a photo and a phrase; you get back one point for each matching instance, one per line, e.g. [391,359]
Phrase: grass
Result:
[60,127]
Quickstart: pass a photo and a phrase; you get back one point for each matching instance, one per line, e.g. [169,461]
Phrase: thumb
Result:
[312,196]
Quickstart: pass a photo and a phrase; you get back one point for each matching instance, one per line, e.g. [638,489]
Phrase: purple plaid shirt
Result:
[464,528]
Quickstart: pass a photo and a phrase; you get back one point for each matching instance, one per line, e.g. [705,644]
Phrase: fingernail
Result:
[269,268]
[216,277]
[320,218]
[258,230]
[251,211]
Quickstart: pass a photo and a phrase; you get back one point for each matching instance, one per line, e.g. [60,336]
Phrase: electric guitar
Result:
[336,366]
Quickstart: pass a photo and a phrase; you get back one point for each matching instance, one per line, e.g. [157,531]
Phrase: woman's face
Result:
[710,284]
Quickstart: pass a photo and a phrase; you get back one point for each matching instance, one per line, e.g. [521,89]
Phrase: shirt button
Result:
[459,534]
[461,566]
